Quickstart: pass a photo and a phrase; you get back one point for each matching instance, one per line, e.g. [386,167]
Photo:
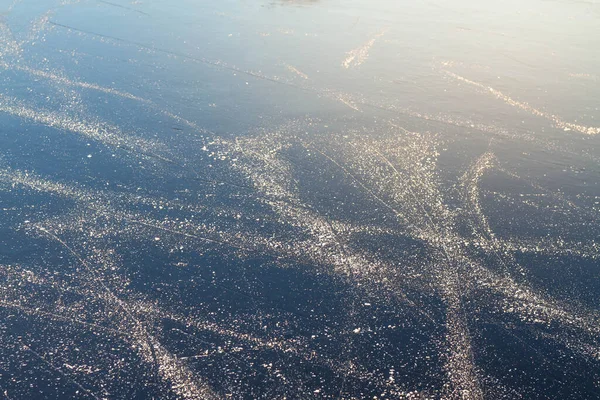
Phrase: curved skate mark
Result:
[169,368]
[558,122]
[521,300]
[531,307]
[101,201]
[589,249]
[460,362]
[101,132]
[68,82]
[61,80]
[470,183]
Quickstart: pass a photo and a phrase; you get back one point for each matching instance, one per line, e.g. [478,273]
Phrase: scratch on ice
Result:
[556,120]
[296,71]
[359,55]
